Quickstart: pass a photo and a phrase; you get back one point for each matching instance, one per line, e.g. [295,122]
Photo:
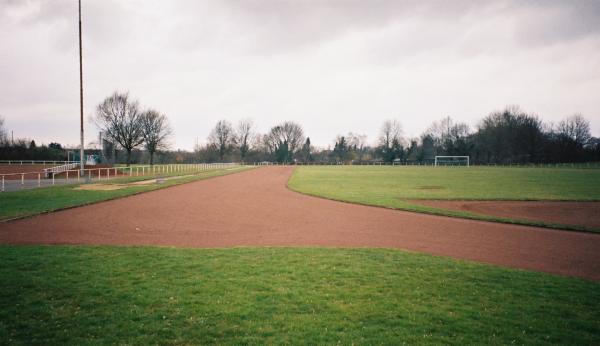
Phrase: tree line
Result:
[510,136]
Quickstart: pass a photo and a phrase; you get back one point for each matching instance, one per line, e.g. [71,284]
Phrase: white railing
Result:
[60,169]
[89,174]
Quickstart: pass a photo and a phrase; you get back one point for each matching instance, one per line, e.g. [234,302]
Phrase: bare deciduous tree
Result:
[284,140]
[358,143]
[448,135]
[156,130]
[222,137]
[2,131]
[244,134]
[120,119]
[576,128]
[390,140]
[390,131]
[289,132]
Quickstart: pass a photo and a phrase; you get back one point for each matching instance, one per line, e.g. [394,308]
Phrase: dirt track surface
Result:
[254,208]
[566,213]
[26,168]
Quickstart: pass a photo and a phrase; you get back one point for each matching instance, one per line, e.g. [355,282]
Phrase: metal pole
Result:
[81,162]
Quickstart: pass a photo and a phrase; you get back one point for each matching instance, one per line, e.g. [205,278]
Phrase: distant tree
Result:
[283,153]
[397,150]
[594,149]
[3,137]
[357,143]
[156,131]
[509,136]
[284,140]
[427,151]
[449,138]
[575,128]
[569,141]
[412,150]
[120,119]
[55,146]
[341,150]
[222,138]
[244,134]
[389,139]
[32,144]
[306,151]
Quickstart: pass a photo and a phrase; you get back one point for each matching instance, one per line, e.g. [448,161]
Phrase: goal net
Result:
[452,160]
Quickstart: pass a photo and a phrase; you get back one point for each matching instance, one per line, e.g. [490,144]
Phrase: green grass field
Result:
[35,201]
[145,295]
[393,187]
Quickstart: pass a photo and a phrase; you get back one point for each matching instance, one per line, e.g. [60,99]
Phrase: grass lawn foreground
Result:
[395,186]
[153,295]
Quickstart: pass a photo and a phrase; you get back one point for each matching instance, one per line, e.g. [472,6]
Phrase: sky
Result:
[332,66]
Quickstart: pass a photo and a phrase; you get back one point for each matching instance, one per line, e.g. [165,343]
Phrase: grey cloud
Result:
[550,23]
[106,22]
[275,26]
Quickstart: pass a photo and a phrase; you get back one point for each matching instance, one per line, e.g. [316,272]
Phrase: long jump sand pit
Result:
[111,187]
[585,214]
[255,208]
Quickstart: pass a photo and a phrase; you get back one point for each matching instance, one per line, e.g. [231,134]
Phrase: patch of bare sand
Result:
[110,187]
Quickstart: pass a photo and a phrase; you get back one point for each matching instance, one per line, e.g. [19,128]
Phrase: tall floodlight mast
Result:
[81,162]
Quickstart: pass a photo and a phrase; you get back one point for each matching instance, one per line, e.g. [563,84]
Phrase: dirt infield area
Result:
[26,168]
[566,213]
[254,208]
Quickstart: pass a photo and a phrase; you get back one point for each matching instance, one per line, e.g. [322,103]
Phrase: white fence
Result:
[60,169]
[71,176]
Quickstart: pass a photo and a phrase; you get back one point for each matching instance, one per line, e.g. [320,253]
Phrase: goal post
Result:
[450,160]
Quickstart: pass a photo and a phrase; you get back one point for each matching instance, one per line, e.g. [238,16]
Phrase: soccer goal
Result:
[452,160]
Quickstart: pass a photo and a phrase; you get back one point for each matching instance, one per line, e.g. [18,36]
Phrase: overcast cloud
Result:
[333,66]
